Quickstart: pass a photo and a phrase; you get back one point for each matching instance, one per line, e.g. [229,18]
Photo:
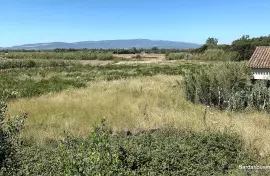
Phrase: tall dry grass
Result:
[132,104]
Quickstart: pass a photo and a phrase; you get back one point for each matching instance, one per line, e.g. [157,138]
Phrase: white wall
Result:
[261,73]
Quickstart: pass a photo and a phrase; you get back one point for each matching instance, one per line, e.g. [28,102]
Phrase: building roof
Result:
[260,57]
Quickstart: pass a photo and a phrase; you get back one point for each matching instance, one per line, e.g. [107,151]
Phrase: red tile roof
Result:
[260,57]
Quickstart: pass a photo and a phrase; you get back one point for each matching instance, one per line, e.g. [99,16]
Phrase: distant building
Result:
[260,63]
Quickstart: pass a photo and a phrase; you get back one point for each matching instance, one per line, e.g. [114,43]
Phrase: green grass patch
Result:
[74,55]
[28,63]
[29,82]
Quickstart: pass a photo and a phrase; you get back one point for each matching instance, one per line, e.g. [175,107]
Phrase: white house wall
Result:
[261,73]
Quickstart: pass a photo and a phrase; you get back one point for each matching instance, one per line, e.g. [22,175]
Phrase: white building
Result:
[260,63]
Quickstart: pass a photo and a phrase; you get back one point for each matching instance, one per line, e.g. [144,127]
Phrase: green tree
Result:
[212,41]
[245,45]
[154,49]
[134,50]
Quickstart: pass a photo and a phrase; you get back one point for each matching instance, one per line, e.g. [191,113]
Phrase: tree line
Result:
[244,47]
[133,50]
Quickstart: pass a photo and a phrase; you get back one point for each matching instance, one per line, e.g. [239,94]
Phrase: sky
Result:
[37,21]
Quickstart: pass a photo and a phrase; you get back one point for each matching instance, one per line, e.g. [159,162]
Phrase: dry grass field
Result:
[133,104]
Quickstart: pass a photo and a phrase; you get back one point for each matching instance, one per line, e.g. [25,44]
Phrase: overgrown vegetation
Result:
[245,46]
[10,141]
[18,83]
[240,49]
[75,55]
[193,143]
[213,54]
[178,56]
[216,55]
[161,152]
[227,86]
[25,63]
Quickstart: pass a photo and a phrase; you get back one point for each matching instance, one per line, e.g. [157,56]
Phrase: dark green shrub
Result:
[173,152]
[164,152]
[137,56]
[10,142]
[96,155]
[31,63]
[6,64]
[216,55]
[178,56]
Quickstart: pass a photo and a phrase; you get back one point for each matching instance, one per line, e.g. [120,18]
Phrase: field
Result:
[133,97]
[144,56]
[132,104]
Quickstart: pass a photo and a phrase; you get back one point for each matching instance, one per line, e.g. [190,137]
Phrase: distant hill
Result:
[110,44]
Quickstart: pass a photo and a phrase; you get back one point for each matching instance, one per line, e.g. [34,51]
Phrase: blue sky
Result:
[33,21]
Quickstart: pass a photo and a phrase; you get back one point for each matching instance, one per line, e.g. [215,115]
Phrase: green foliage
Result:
[160,152]
[114,51]
[245,46]
[18,83]
[255,96]
[25,63]
[95,156]
[74,55]
[178,56]
[242,48]
[9,141]
[163,152]
[200,50]
[227,86]
[54,84]
[215,85]
[216,55]
[172,152]
[211,42]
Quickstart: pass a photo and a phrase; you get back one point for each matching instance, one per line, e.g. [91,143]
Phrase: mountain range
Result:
[109,44]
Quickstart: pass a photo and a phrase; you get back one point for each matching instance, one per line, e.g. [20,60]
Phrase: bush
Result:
[227,86]
[178,56]
[96,155]
[137,56]
[25,63]
[255,96]
[164,152]
[9,141]
[173,152]
[216,84]
[216,55]
[160,152]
